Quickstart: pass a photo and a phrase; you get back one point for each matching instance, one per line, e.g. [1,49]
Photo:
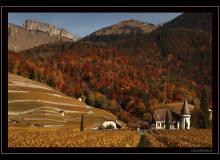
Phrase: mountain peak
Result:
[130,26]
[135,21]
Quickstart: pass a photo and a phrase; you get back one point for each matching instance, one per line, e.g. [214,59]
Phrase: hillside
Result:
[36,104]
[129,75]
[22,38]
[126,27]
[193,21]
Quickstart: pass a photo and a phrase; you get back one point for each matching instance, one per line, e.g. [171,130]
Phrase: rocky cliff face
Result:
[49,29]
[20,39]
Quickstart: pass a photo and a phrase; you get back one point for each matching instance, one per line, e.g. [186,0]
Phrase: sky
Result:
[83,24]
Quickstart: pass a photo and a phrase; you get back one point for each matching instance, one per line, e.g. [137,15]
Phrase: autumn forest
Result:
[129,75]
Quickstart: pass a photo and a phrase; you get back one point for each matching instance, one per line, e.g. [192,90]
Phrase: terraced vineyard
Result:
[36,104]
[67,137]
[179,138]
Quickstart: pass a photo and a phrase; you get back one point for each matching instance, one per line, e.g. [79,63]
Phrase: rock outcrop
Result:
[49,29]
[20,39]
[34,34]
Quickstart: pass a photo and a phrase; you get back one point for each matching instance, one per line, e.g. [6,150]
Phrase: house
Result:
[115,123]
[107,123]
[170,119]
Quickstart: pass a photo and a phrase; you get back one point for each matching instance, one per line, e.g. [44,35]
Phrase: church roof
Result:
[165,114]
[185,109]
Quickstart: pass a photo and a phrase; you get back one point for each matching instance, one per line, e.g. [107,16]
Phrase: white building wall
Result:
[159,125]
[178,125]
[188,123]
[185,120]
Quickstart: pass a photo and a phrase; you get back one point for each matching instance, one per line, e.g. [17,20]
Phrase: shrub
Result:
[110,126]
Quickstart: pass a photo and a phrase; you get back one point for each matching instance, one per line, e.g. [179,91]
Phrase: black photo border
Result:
[4,79]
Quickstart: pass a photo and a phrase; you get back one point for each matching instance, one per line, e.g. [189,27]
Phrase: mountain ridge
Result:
[126,27]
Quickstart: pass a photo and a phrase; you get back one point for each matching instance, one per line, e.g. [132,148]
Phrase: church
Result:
[170,119]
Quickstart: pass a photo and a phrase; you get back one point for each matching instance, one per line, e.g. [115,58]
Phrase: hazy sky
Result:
[83,24]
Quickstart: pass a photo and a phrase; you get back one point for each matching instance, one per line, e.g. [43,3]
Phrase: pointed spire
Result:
[185,109]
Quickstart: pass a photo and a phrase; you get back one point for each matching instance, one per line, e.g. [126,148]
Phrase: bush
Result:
[110,126]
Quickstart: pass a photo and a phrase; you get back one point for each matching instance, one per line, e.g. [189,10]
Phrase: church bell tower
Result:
[185,116]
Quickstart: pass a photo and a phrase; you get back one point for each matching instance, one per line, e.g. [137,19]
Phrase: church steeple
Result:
[185,116]
[185,109]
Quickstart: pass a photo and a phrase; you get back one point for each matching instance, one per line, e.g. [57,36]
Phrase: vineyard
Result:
[68,137]
[65,137]
[179,138]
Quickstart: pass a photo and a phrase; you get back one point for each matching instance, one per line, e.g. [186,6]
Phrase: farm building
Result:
[170,119]
[107,123]
[115,123]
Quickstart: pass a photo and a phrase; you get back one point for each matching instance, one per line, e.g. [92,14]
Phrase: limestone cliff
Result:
[34,34]
[49,29]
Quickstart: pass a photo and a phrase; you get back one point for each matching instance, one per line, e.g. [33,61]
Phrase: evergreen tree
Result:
[204,113]
[167,121]
[81,123]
